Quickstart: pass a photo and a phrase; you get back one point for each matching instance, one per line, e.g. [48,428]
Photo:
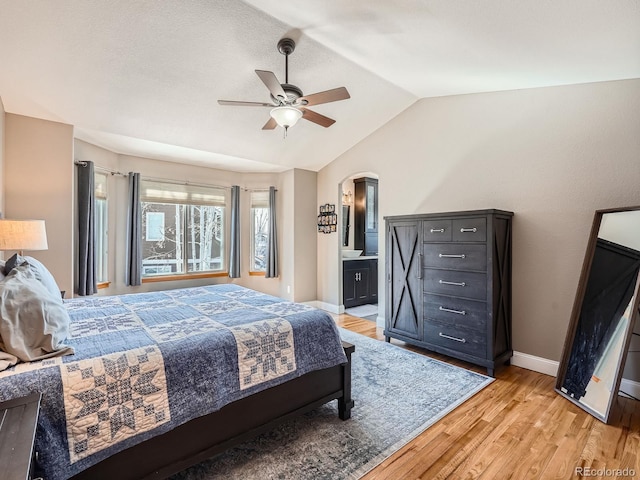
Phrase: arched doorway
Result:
[358,245]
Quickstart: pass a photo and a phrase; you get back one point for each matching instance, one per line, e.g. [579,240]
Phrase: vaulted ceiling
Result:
[143,77]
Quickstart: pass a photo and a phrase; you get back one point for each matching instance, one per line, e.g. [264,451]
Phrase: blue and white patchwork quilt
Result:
[148,362]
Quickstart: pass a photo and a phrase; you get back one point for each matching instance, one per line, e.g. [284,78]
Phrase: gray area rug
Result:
[398,394]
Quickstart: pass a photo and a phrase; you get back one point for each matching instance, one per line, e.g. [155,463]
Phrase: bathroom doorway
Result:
[359,233]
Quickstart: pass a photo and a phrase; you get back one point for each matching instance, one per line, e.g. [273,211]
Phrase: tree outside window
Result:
[181,237]
[259,230]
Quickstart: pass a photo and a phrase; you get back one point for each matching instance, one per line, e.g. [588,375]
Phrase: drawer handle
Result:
[469,230]
[459,312]
[457,284]
[449,337]
[444,255]
[437,230]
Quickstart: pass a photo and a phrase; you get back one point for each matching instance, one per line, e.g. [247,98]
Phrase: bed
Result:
[162,380]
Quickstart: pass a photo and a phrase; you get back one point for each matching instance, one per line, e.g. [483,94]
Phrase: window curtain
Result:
[272,242]
[133,273]
[87,266]
[234,254]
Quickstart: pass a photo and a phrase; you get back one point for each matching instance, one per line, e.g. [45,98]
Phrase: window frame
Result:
[185,196]
[259,200]
[101,224]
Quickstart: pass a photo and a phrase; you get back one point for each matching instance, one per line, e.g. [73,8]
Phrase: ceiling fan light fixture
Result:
[286,116]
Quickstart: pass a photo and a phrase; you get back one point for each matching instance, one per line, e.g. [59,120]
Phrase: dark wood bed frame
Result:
[204,437]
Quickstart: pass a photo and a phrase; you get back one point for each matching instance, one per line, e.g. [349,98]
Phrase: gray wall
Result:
[38,184]
[551,155]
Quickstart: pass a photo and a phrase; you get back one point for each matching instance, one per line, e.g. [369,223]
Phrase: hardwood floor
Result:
[516,428]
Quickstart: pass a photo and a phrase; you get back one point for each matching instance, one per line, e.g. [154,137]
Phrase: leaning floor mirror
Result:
[604,315]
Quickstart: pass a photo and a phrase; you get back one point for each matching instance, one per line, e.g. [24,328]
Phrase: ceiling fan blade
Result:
[272,83]
[334,95]
[245,104]
[317,118]
[270,125]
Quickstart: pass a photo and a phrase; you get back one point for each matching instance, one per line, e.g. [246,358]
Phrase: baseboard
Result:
[329,307]
[537,364]
[630,387]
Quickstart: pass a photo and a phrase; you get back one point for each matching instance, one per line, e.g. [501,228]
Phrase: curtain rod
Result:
[151,179]
[256,189]
[165,180]
[102,169]
[183,182]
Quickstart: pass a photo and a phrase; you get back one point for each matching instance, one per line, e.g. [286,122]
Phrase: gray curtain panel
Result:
[234,253]
[272,245]
[87,266]
[133,274]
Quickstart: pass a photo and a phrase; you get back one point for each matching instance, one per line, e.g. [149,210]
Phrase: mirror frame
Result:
[575,316]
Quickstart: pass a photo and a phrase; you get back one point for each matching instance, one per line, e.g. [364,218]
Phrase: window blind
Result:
[100,185]
[260,199]
[160,192]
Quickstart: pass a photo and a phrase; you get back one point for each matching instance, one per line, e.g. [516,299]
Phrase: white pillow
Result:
[33,323]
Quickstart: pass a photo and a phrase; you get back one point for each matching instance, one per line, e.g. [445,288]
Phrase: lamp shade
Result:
[286,116]
[23,235]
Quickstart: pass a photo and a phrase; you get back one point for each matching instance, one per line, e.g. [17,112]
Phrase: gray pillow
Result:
[38,268]
[2,270]
[33,323]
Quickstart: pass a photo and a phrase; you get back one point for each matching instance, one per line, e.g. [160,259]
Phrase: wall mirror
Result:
[346,210]
[604,314]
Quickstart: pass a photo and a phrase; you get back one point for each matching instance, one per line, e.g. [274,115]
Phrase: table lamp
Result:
[23,235]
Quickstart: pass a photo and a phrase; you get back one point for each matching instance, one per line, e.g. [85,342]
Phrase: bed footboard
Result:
[346,403]
[204,437]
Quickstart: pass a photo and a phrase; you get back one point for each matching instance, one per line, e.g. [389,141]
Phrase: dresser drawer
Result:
[469,230]
[456,256]
[436,231]
[459,339]
[451,282]
[458,312]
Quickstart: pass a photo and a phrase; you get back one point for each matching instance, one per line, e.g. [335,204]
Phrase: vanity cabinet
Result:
[448,285]
[359,282]
[365,215]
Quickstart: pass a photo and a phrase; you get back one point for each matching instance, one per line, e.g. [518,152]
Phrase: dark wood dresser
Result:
[448,284]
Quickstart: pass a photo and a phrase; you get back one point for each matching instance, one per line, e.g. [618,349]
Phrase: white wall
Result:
[551,155]
[38,184]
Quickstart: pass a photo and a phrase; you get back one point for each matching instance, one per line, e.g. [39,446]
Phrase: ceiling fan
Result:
[288,104]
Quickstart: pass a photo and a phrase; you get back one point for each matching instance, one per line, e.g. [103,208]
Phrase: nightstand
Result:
[18,419]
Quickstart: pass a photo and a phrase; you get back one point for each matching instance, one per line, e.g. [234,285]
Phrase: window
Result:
[155,226]
[183,228]
[259,230]
[101,226]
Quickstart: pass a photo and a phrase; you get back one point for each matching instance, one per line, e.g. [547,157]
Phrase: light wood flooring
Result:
[516,428]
